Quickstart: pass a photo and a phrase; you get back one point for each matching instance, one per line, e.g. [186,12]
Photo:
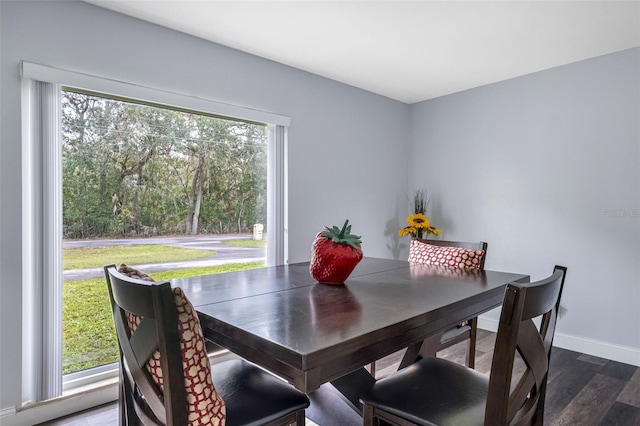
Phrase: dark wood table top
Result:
[311,333]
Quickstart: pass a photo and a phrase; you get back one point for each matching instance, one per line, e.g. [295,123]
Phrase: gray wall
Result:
[346,145]
[546,168]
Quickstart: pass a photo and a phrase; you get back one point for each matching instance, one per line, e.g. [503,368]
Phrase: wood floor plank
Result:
[618,370]
[592,359]
[631,393]
[485,341]
[567,377]
[621,415]
[591,405]
[561,359]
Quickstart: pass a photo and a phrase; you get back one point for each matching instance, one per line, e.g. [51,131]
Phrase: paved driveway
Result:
[225,254]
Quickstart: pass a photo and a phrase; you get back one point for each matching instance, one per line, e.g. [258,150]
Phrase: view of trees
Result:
[139,170]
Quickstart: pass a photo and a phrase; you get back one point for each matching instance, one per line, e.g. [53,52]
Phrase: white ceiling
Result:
[406,50]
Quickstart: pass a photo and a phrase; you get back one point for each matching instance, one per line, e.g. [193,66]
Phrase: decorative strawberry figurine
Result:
[334,254]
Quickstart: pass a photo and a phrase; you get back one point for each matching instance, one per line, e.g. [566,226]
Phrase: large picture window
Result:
[106,159]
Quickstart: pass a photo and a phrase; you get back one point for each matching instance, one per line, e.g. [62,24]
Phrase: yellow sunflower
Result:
[419,226]
[433,230]
[407,230]
[418,221]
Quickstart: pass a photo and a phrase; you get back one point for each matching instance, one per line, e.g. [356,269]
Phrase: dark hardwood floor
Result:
[582,389]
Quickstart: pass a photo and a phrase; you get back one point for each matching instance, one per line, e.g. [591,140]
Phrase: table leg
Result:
[352,385]
[338,402]
[425,349]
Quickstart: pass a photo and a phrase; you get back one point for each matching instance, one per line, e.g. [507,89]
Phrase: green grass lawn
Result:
[89,336]
[247,243]
[94,257]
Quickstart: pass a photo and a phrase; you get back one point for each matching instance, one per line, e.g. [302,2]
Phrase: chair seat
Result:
[432,391]
[252,396]
[454,332]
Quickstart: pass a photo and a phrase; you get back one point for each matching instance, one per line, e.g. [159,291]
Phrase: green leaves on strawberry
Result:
[334,254]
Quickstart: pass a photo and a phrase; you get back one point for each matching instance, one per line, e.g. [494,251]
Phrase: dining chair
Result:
[454,254]
[435,391]
[449,254]
[165,375]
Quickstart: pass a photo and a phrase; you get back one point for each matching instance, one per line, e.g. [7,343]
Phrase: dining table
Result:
[311,333]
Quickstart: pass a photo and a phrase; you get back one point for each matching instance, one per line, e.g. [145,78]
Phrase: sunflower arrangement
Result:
[419,225]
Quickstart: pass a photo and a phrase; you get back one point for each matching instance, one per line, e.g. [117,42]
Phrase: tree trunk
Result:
[239,217]
[195,196]
[196,212]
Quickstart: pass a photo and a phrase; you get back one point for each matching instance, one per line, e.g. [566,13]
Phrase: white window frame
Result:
[42,206]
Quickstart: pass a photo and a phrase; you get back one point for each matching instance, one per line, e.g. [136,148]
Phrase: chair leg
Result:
[128,415]
[538,417]
[300,418]
[122,404]
[367,415]
[372,369]
[471,347]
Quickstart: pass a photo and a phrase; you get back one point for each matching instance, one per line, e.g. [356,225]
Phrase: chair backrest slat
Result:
[517,333]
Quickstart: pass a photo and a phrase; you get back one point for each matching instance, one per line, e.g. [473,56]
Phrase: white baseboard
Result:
[7,412]
[619,353]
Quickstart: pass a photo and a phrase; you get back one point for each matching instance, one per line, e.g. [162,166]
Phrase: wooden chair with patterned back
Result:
[454,254]
[165,375]
[435,391]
